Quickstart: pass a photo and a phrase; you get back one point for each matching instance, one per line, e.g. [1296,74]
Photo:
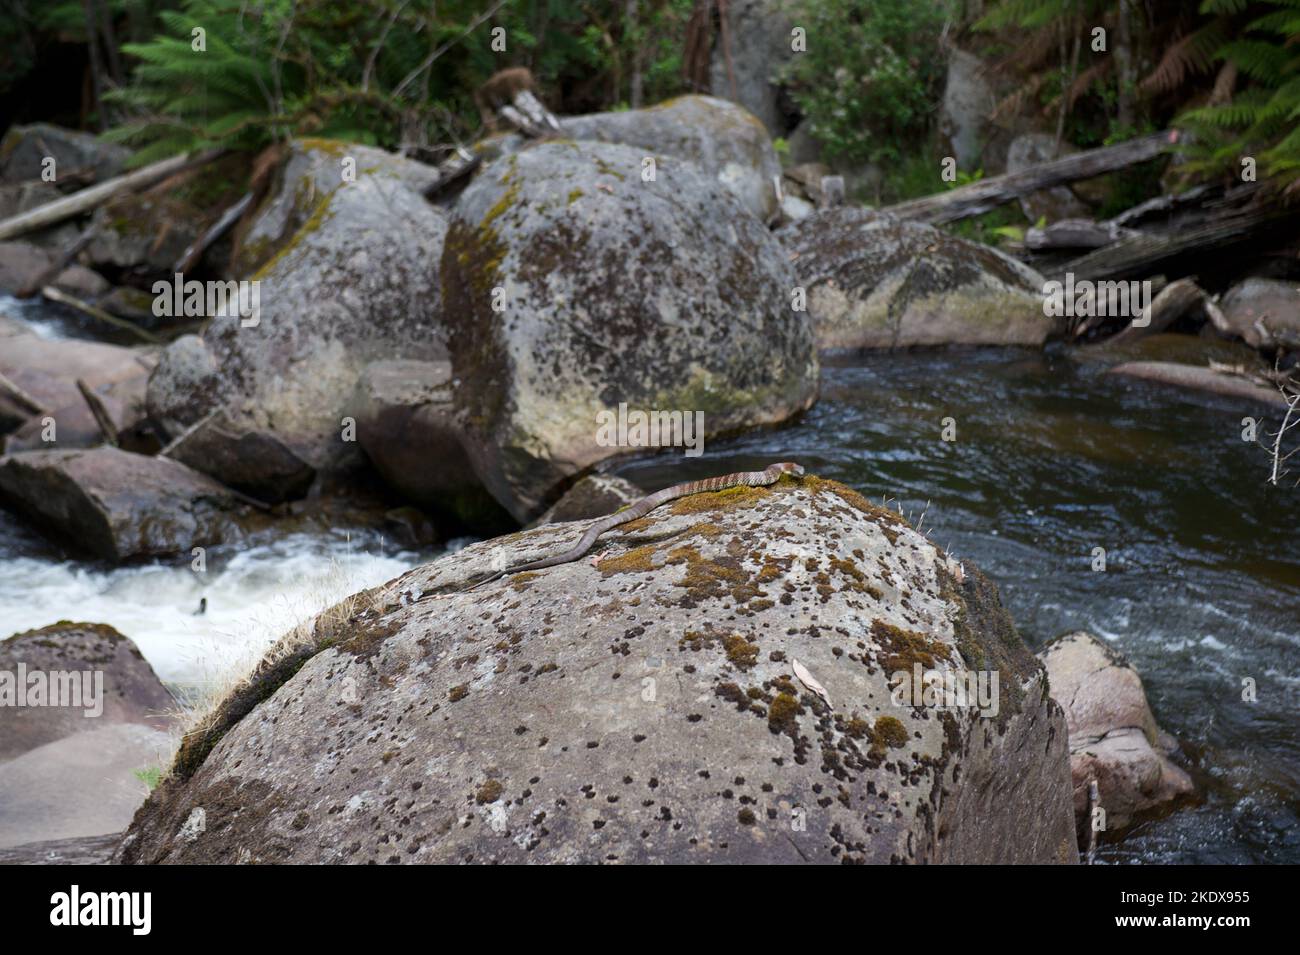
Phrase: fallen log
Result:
[979,197]
[87,199]
[1200,379]
[1075,234]
[63,298]
[104,420]
[20,397]
[1145,253]
[1173,302]
[200,245]
[460,163]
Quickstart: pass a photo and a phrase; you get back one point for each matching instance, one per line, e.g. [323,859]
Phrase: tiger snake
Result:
[769,475]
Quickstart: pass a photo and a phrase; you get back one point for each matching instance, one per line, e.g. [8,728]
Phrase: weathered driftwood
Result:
[87,199]
[200,245]
[63,298]
[987,194]
[61,262]
[1174,301]
[1075,234]
[1200,379]
[1161,204]
[1145,253]
[107,427]
[20,397]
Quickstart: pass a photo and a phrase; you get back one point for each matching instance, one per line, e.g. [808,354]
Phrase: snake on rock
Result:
[769,475]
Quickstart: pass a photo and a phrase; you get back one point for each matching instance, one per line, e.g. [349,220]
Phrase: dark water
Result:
[1052,458]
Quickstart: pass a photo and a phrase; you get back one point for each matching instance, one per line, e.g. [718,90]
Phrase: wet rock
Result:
[722,139]
[1114,738]
[116,505]
[24,150]
[131,691]
[348,274]
[646,709]
[1264,312]
[658,294]
[593,496]
[875,281]
[407,426]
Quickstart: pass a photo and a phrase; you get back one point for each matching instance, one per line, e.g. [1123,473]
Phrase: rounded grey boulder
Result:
[715,689]
[572,285]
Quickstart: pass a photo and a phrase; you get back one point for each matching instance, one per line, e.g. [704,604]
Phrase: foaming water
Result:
[254,595]
[1053,459]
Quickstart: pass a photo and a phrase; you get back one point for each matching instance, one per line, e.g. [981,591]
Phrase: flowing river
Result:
[1050,460]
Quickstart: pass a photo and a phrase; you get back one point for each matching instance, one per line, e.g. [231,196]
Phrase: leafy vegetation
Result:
[1228,70]
[870,78]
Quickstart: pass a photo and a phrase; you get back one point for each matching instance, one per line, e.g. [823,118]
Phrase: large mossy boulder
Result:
[117,505]
[345,251]
[876,281]
[723,139]
[648,708]
[571,286]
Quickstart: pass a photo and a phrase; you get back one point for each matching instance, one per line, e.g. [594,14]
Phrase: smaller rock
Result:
[595,495]
[25,149]
[406,426]
[245,458]
[143,230]
[117,505]
[132,692]
[1114,738]
[724,139]
[1265,313]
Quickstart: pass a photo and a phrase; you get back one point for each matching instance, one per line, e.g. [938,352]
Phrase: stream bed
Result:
[1051,458]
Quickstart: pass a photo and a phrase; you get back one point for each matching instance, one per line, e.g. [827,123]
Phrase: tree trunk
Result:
[1124,65]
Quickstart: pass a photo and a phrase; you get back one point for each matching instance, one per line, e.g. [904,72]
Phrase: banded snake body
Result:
[769,475]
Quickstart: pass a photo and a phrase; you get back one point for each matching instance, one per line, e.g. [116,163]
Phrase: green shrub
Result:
[871,74]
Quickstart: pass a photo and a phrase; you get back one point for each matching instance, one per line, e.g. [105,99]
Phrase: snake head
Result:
[789,467]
